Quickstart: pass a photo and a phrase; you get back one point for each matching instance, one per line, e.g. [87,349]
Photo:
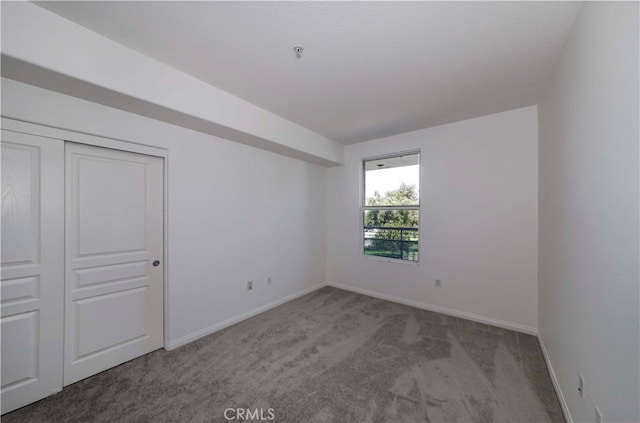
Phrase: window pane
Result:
[394,181]
[391,233]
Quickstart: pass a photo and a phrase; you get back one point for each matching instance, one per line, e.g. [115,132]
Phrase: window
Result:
[391,206]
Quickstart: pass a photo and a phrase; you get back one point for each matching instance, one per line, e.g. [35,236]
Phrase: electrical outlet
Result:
[438,283]
[581,386]
[598,416]
[249,285]
[269,280]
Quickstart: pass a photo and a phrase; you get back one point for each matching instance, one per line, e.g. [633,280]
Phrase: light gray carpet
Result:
[330,356]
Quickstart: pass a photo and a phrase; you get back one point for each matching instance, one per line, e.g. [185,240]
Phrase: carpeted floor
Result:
[330,356]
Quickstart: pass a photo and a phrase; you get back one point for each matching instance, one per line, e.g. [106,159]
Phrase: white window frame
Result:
[364,207]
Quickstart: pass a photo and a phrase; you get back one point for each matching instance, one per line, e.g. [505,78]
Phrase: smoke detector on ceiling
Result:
[298,50]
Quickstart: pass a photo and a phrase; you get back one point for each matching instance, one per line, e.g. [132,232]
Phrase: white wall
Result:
[589,318]
[236,213]
[479,228]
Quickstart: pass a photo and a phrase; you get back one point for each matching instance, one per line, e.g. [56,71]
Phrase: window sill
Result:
[390,260]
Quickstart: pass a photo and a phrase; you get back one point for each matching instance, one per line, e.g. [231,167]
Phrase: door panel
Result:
[32,282]
[95,333]
[20,202]
[114,231]
[21,330]
[111,218]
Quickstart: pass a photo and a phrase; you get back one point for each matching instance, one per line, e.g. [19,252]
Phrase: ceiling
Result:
[368,70]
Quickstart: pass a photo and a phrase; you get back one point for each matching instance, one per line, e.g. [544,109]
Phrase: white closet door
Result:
[32,268]
[114,248]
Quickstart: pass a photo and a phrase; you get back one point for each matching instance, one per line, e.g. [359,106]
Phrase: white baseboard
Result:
[438,309]
[444,310]
[554,380]
[240,317]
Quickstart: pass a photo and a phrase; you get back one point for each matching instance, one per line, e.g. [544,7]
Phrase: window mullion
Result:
[391,207]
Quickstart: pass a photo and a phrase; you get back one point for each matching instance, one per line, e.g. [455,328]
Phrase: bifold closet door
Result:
[114,248]
[32,268]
